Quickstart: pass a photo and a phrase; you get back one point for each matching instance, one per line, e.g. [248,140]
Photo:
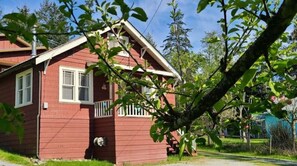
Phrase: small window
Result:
[113,42]
[76,86]
[68,85]
[23,93]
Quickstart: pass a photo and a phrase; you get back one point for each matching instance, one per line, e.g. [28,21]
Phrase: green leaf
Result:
[135,69]
[233,12]
[153,132]
[233,30]
[140,14]
[201,141]
[112,10]
[272,88]
[219,105]
[114,51]
[213,136]
[202,5]
[247,77]
[182,146]
[158,104]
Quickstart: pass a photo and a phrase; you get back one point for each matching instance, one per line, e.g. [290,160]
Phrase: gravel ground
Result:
[224,159]
[213,162]
[2,163]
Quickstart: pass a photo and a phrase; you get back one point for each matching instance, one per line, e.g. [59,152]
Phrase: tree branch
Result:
[275,28]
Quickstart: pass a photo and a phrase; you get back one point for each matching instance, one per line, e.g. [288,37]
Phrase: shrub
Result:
[281,136]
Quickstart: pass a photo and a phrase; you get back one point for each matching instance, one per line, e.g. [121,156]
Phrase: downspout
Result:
[38,116]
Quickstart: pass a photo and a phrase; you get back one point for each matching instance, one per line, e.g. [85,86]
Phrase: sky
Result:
[201,23]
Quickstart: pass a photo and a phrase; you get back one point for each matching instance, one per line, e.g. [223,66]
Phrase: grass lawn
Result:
[14,158]
[21,160]
[259,148]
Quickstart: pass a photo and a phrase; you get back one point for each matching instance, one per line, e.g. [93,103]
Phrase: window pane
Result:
[20,83]
[68,77]
[20,97]
[84,94]
[28,80]
[67,93]
[28,95]
[83,80]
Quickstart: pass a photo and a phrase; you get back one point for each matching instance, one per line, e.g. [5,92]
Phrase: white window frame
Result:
[24,92]
[115,43]
[76,86]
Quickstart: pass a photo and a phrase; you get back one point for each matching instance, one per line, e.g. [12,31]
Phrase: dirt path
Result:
[225,159]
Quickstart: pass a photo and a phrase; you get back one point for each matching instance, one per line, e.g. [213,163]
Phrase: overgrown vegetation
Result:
[282,139]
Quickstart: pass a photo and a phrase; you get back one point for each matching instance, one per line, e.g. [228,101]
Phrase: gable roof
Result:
[129,28]
[25,46]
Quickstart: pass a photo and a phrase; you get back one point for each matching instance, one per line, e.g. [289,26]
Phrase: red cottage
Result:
[64,109]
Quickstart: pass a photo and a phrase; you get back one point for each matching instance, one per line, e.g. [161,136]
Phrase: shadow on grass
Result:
[247,158]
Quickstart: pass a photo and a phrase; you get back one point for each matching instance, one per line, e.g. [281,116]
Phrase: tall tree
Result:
[53,21]
[177,43]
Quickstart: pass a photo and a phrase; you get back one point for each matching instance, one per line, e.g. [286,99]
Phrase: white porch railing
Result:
[133,110]
[101,109]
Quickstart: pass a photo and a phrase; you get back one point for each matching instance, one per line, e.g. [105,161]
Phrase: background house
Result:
[64,109]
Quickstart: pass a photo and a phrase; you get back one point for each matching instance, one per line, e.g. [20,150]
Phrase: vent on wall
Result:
[100,141]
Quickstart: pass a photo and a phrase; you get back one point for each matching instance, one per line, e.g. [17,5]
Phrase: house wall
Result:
[14,57]
[133,142]
[6,44]
[65,128]
[11,142]
[146,60]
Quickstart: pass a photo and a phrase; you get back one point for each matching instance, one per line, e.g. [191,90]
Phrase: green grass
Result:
[77,163]
[259,148]
[21,160]
[14,158]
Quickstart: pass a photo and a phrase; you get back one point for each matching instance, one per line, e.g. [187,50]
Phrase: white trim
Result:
[158,72]
[155,54]
[76,72]
[63,48]
[24,93]
[130,30]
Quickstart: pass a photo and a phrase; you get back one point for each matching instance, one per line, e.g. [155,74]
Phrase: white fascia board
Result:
[63,48]
[158,72]
[59,50]
[155,54]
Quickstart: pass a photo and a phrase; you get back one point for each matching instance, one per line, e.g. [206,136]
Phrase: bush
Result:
[281,137]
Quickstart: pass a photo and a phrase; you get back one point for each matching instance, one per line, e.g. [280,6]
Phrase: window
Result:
[113,42]
[23,94]
[76,86]
[150,92]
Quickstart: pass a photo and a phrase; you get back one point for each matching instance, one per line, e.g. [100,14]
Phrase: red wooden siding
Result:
[133,141]
[15,57]
[11,142]
[136,53]
[105,127]
[5,44]
[65,128]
